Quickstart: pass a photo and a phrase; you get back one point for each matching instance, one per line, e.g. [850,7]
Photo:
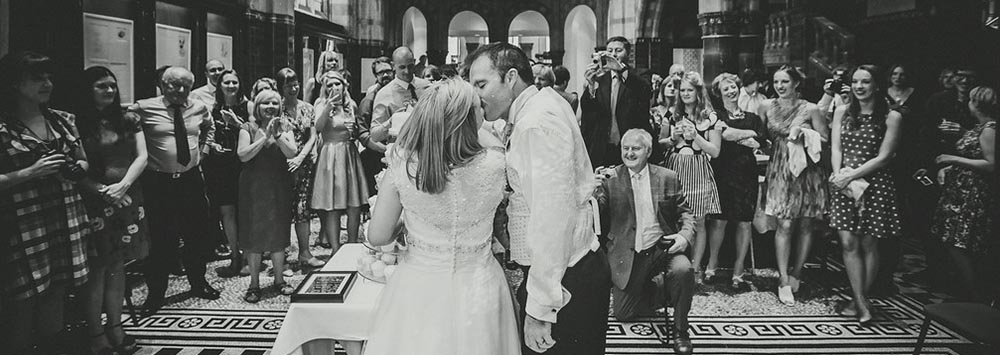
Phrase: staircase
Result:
[812,42]
[832,45]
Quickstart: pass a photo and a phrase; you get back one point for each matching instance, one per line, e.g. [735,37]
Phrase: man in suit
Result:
[649,227]
[615,100]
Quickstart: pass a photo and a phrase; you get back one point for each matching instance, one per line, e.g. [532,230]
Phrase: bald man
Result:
[400,94]
[179,132]
[206,94]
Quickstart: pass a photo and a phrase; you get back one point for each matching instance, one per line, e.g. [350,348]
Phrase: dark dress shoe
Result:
[682,344]
[152,306]
[205,291]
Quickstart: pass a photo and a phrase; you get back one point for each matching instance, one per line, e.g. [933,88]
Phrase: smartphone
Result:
[922,178]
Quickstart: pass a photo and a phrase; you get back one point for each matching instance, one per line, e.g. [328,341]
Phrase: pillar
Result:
[752,41]
[721,42]
[271,31]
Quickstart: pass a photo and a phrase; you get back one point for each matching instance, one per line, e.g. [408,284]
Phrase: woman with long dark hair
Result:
[865,135]
[116,151]
[43,219]
[222,168]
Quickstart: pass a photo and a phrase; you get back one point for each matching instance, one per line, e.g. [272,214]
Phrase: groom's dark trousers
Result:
[582,324]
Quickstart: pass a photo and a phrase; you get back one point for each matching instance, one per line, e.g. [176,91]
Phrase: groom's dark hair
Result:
[504,57]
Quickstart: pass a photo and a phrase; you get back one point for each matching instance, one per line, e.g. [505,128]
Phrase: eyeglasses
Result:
[384,72]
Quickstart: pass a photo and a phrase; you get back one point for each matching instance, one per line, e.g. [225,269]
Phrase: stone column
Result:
[752,41]
[720,35]
[271,33]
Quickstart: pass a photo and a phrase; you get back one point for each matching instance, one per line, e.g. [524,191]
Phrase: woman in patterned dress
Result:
[116,151]
[735,174]
[865,135]
[695,138]
[963,218]
[796,201]
[303,167]
[222,167]
[339,185]
[43,219]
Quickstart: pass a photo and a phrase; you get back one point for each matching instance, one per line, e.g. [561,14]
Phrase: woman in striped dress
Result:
[696,138]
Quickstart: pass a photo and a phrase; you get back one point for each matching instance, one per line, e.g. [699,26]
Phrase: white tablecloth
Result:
[311,327]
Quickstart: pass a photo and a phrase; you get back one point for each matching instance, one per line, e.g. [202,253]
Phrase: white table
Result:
[313,328]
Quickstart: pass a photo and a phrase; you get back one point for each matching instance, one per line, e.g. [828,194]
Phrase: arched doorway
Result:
[415,31]
[581,39]
[466,32]
[530,31]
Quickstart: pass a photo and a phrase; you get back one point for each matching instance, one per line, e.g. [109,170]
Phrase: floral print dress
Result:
[968,198]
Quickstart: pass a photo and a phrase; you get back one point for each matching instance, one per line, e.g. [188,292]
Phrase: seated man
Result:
[648,226]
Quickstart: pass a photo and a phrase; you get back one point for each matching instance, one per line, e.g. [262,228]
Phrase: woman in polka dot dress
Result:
[865,136]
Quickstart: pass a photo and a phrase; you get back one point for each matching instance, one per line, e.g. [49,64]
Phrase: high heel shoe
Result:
[313,262]
[794,282]
[785,295]
[709,275]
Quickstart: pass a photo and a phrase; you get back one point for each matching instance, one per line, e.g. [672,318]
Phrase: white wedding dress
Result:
[448,295]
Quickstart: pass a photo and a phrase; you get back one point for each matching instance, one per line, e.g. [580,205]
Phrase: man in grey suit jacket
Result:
[649,227]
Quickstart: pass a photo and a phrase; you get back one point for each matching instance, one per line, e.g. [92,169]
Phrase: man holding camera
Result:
[179,132]
[836,92]
[649,227]
[614,101]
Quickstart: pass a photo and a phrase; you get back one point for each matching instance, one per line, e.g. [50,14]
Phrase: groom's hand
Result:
[538,334]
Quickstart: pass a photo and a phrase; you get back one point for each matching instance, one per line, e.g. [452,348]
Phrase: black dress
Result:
[736,169]
[222,170]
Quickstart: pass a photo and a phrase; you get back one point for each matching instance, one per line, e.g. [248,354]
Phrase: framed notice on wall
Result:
[107,41]
[173,46]
[220,47]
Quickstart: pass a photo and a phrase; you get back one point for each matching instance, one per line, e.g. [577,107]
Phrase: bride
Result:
[448,295]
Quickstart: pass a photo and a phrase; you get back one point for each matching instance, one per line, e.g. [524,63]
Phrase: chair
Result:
[979,322]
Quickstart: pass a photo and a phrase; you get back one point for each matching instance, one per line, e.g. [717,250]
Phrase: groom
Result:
[564,296]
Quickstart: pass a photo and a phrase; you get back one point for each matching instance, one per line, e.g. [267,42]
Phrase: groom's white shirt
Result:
[550,222]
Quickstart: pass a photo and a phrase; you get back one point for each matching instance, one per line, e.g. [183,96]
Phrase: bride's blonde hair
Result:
[441,134]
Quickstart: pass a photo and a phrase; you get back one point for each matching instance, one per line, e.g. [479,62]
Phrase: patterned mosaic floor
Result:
[721,323]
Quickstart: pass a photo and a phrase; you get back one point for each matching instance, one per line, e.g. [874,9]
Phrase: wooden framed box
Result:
[325,286]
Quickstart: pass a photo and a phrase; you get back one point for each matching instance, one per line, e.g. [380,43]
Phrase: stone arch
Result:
[414,26]
[533,32]
[580,39]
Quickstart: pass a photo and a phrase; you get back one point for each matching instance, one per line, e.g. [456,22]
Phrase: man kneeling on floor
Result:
[649,227]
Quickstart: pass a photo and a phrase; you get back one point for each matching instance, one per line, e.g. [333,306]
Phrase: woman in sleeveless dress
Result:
[339,184]
[694,137]
[964,217]
[448,295]
[796,201]
[265,191]
[864,138]
[222,166]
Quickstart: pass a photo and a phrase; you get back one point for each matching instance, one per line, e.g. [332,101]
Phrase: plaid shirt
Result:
[43,222]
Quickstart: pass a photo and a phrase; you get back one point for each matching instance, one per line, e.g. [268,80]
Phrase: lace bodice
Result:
[452,229]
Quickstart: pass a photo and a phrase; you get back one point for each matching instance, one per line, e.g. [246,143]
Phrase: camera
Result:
[69,170]
[922,178]
[600,58]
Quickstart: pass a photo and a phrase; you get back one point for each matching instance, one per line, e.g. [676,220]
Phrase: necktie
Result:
[616,83]
[413,92]
[180,136]
[640,214]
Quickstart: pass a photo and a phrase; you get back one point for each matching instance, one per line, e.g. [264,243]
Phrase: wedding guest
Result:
[865,137]
[399,95]
[303,166]
[836,91]
[751,97]
[735,172]
[795,200]
[266,190]
[179,132]
[329,60]
[561,82]
[615,100]
[544,76]
[431,73]
[206,93]
[945,78]
[564,295]
[650,226]
[261,84]
[46,230]
[222,166]
[116,151]
[694,137]
[371,156]
[339,185]
[964,216]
